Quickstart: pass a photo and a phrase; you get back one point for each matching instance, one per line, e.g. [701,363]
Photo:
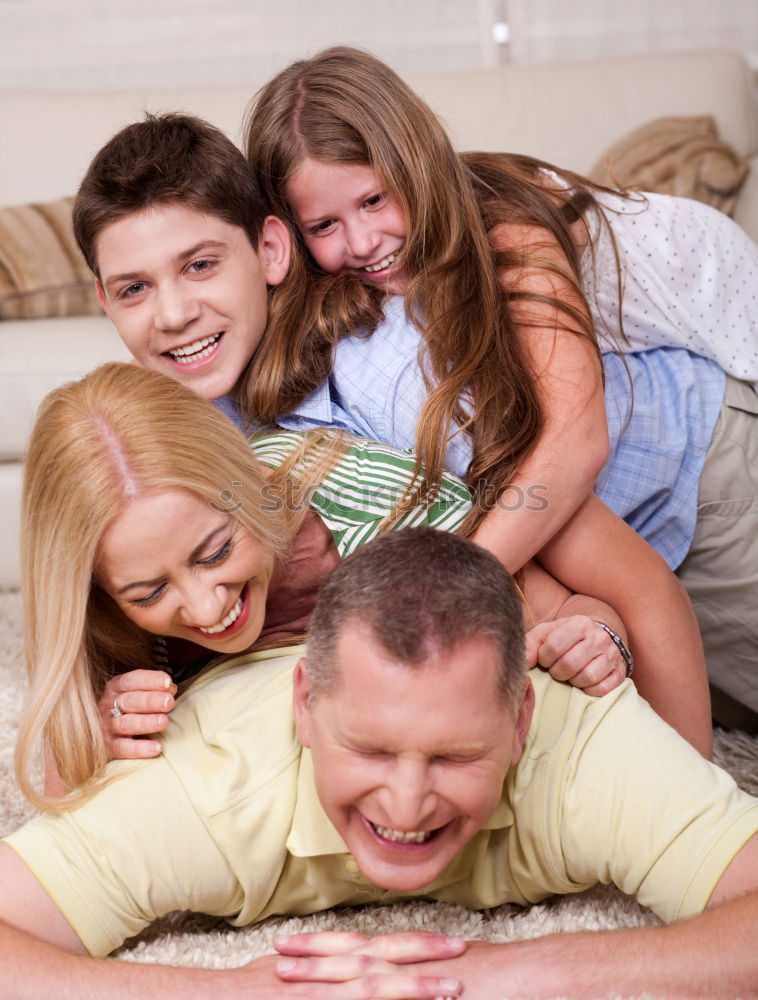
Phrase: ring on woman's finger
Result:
[116,712]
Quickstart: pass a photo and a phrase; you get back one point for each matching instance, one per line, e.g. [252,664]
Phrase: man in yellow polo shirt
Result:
[407,755]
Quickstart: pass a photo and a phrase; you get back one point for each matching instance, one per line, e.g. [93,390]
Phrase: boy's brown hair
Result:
[166,158]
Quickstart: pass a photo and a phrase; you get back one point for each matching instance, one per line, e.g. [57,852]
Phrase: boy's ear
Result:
[102,299]
[274,250]
[300,695]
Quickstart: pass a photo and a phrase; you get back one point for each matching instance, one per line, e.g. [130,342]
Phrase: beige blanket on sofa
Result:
[682,156]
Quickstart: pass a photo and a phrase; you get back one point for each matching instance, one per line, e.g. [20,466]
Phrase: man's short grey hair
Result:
[418,591]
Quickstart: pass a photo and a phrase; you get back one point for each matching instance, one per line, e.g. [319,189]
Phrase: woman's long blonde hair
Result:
[346,106]
[120,432]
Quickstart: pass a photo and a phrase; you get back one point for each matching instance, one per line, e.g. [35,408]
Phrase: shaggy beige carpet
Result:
[200,941]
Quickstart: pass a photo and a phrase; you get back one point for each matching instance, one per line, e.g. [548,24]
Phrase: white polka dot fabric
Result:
[689,279]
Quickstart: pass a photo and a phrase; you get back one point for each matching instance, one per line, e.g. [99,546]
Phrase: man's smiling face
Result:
[188,292]
[409,761]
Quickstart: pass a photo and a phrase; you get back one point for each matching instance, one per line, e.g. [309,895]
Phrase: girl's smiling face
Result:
[177,566]
[348,221]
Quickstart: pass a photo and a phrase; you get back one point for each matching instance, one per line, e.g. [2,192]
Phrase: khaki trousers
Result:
[720,570]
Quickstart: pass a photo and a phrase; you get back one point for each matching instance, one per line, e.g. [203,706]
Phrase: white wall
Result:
[124,43]
[544,30]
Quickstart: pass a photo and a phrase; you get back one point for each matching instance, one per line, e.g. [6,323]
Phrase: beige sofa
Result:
[567,113]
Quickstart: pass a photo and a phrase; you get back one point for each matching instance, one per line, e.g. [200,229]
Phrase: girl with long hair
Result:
[485,285]
[513,271]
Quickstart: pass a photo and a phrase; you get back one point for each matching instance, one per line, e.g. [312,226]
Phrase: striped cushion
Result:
[42,272]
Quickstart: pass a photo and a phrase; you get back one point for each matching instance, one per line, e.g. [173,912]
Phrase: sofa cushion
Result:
[42,272]
[36,355]
[680,155]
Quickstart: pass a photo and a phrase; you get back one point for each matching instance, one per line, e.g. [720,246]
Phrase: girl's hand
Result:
[579,651]
[143,697]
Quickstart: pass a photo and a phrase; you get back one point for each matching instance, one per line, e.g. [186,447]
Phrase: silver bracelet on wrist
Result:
[620,645]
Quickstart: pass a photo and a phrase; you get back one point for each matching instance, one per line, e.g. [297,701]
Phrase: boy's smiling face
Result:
[187,291]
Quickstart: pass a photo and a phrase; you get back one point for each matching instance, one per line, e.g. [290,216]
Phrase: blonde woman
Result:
[155,542]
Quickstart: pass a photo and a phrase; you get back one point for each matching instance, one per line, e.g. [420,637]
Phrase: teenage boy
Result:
[173,225]
[358,778]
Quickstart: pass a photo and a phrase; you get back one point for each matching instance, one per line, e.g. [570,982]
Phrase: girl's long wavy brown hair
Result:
[346,106]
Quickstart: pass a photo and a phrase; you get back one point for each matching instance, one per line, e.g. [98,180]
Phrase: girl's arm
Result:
[564,637]
[580,541]
[560,473]
[597,554]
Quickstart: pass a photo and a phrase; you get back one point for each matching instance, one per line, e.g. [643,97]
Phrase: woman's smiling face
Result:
[177,566]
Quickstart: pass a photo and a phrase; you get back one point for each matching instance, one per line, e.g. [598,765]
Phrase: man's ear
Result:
[523,721]
[300,695]
[275,250]
[102,299]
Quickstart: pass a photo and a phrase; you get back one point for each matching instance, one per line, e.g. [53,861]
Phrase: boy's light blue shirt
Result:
[662,407]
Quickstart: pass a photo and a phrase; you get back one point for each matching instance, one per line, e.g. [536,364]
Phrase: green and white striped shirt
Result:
[357,496]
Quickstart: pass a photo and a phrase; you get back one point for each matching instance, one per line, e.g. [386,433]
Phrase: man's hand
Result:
[385,966]
[143,698]
[576,650]
[411,965]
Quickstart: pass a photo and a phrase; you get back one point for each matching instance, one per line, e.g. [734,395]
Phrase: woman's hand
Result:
[142,699]
[579,651]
